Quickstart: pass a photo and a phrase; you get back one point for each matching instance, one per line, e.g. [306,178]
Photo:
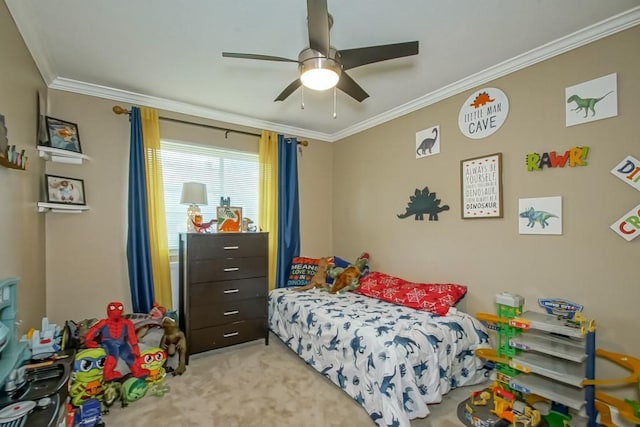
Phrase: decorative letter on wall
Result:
[628,227]
[628,170]
[575,156]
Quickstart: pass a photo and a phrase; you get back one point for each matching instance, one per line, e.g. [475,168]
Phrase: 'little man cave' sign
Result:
[483,113]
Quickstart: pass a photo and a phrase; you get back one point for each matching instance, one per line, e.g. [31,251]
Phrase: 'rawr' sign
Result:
[483,113]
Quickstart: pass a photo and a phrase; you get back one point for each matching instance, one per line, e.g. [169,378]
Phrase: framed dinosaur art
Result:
[593,100]
[229,219]
[540,215]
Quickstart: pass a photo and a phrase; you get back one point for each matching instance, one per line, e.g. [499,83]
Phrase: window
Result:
[226,172]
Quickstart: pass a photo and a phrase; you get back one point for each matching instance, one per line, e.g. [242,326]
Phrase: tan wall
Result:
[86,253]
[589,263]
[21,226]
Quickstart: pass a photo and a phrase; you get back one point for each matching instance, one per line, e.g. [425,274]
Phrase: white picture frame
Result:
[596,99]
[540,215]
[428,142]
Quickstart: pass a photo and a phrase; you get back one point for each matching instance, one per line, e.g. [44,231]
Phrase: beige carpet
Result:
[263,386]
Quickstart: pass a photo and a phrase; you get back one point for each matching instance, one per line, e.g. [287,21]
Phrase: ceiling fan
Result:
[322,66]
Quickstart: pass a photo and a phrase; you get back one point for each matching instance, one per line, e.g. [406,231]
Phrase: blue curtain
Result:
[288,208]
[138,252]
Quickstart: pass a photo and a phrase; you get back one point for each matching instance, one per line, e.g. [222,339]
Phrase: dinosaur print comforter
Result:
[393,360]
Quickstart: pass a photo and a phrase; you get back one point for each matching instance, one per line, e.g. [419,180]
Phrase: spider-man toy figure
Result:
[118,338]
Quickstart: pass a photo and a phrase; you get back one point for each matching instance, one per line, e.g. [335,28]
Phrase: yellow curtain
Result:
[155,208]
[268,197]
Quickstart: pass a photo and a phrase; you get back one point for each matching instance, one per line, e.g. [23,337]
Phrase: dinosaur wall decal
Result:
[423,202]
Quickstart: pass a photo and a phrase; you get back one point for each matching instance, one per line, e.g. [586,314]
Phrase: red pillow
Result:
[435,298]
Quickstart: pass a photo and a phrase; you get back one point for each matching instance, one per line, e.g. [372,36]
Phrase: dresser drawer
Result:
[211,293]
[227,245]
[229,334]
[212,270]
[203,316]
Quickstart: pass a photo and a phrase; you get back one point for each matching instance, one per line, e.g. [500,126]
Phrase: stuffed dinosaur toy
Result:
[348,279]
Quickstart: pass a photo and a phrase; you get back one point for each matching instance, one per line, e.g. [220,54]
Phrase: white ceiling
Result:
[167,54]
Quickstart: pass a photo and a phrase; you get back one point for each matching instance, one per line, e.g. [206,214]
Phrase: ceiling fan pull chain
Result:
[335,101]
[302,98]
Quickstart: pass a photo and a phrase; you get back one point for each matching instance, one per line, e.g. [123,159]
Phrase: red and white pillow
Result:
[435,298]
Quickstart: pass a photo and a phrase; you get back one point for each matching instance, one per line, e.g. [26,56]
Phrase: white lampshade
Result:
[194,193]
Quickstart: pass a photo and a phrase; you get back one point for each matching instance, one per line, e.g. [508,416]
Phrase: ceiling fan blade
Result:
[351,88]
[254,56]
[352,58]
[318,24]
[288,90]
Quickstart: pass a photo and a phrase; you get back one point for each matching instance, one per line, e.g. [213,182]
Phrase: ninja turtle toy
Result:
[153,360]
[87,379]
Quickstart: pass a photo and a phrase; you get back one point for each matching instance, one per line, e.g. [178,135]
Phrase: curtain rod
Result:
[119,110]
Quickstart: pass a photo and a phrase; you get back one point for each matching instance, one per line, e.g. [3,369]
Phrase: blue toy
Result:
[88,415]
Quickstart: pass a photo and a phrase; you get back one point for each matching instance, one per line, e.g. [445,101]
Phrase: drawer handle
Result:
[231,291]
[232,334]
[230,313]
[231,248]
[232,269]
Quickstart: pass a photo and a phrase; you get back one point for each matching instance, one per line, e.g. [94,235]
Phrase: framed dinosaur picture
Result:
[481,187]
[593,100]
[229,218]
[540,215]
[428,142]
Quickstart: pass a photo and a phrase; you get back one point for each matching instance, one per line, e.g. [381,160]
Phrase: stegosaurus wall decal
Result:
[423,202]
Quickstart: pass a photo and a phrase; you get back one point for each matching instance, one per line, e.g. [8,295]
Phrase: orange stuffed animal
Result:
[348,277]
[319,280]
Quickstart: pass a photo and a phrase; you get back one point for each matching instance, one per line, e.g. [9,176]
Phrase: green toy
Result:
[133,389]
[87,379]
[112,392]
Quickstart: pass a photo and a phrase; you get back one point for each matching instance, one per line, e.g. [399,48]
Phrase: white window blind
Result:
[226,172]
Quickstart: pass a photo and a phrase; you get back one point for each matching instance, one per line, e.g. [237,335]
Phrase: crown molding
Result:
[180,107]
[572,41]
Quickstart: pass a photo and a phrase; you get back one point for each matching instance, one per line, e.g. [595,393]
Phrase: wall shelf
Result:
[61,208]
[7,164]
[61,156]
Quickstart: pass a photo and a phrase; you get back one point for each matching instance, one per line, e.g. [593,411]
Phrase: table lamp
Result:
[193,194]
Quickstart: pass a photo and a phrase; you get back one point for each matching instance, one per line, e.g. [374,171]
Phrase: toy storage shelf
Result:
[531,383]
[61,208]
[568,372]
[548,323]
[555,358]
[61,156]
[553,345]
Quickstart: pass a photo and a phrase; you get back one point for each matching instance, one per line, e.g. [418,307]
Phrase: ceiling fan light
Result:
[319,73]
[319,78]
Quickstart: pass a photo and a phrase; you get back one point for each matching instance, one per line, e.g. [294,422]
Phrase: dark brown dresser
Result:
[223,289]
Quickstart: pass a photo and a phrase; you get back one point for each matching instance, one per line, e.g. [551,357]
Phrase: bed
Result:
[392,359]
